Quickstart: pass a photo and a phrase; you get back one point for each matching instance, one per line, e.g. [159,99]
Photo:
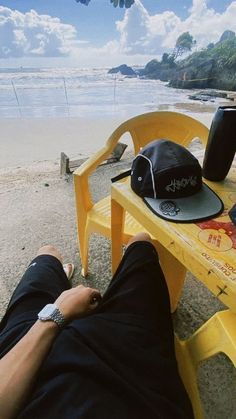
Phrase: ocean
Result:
[73,92]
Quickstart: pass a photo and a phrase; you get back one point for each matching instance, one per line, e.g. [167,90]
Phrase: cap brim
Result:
[202,205]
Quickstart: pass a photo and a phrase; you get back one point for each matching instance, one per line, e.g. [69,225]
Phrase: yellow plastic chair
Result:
[96,217]
[217,335]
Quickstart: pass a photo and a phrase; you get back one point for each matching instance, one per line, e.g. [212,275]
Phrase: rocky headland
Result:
[213,67]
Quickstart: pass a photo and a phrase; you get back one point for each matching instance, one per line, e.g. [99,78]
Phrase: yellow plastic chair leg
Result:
[188,373]
[118,217]
[174,273]
[84,242]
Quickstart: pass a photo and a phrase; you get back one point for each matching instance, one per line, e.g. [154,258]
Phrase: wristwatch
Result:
[52,313]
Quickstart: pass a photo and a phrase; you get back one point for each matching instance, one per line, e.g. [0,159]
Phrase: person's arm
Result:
[18,368]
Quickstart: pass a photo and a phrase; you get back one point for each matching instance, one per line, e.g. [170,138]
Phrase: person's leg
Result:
[49,250]
[43,281]
[139,288]
[139,237]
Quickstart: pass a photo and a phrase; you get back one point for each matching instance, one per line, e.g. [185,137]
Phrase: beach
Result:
[27,140]
[37,208]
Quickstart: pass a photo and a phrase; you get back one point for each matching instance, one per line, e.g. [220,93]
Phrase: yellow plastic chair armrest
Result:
[93,162]
[81,176]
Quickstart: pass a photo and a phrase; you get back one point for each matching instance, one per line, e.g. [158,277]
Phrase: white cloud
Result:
[34,35]
[142,36]
[143,33]
[106,56]
[133,29]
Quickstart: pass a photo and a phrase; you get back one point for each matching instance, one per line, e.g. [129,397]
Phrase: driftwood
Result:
[68,166]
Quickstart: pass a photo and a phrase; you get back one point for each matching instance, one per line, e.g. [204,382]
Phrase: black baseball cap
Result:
[169,179]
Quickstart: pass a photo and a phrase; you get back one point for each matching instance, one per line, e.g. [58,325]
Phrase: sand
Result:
[24,141]
[37,208]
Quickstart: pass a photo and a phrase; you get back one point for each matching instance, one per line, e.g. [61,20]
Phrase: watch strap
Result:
[58,318]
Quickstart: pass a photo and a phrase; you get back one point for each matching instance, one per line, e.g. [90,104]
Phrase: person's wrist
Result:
[52,313]
[64,310]
[49,326]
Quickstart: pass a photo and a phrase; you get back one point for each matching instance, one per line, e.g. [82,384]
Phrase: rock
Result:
[226,35]
[202,98]
[210,95]
[158,70]
[123,69]
[152,69]
[214,93]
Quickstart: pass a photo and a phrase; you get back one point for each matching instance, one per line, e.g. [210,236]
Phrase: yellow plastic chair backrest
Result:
[145,128]
[155,125]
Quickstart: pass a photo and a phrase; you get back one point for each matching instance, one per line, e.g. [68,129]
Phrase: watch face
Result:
[51,312]
[47,311]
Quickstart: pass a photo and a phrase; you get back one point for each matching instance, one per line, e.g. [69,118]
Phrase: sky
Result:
[51,33]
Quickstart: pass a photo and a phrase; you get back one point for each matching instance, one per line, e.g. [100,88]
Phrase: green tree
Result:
[184,43]
[120,3]
[165,58]
[210,46]
[168,60]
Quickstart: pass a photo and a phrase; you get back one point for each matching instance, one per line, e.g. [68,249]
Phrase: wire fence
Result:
[22,98]
[62,97]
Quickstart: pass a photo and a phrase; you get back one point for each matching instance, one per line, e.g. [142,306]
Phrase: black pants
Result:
[137,300]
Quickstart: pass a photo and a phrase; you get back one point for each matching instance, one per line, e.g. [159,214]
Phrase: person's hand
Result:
[78,301]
